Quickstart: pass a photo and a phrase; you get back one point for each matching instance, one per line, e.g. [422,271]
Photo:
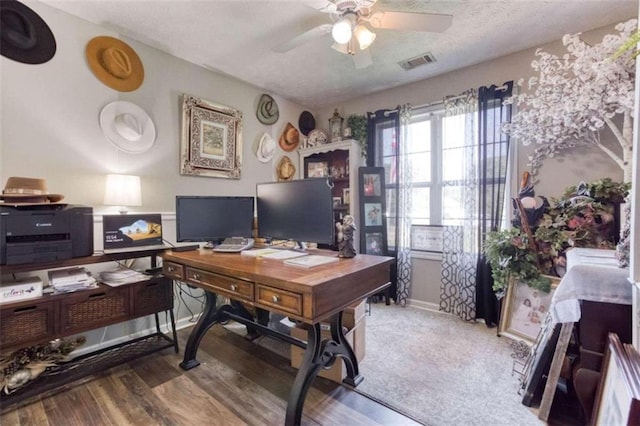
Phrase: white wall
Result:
[585,164]
[50,121]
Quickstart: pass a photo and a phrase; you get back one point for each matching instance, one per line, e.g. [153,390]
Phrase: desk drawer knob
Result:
[234,287]
[171,269]
[275,299]
[196,277]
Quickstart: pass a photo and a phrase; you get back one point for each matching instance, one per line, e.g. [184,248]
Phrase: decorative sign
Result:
[426,238]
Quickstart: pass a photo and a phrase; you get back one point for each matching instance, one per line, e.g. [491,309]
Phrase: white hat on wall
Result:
[128,127]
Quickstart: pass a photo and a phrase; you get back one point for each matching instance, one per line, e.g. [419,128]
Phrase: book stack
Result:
[120,276]
[71,279]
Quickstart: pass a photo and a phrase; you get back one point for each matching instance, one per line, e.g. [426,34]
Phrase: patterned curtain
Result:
[403,229]
[388,149]
[460,242]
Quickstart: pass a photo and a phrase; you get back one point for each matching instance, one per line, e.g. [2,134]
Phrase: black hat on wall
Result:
[25,37]
[306,123]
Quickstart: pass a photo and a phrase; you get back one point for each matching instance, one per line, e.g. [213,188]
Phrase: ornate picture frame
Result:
[211,140]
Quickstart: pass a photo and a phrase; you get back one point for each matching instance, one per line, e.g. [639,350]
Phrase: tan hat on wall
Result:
[115,63]
[285,169]
[290,138]
[22,190]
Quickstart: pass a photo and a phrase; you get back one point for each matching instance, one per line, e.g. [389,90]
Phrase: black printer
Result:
[45,233]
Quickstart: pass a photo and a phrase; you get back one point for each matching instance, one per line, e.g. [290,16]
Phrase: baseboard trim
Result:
[180,324]
[425,306]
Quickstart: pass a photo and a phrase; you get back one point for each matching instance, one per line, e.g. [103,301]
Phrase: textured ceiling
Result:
[236,38]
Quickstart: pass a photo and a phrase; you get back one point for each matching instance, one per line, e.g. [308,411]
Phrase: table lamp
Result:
[123,191]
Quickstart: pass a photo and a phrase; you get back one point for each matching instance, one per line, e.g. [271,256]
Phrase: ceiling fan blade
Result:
[362,59]
[408,21]
[303,38]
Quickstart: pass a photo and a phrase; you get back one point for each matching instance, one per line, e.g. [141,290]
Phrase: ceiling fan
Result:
[350,25]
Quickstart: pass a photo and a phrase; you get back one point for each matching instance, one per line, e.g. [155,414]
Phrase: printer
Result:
[44,233]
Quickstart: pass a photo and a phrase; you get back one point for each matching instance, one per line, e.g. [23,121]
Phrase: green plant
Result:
[358,126]
[510,257]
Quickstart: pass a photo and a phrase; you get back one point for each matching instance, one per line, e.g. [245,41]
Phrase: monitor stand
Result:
[300,246]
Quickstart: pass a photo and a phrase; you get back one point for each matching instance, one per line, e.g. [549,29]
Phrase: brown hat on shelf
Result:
[22,190]
[115,63]
[285,169]
[290,138]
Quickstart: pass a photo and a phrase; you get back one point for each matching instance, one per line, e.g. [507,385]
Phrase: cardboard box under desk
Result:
[356,338]
[353,314]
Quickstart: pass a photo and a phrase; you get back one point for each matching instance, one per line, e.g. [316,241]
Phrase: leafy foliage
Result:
[358,125]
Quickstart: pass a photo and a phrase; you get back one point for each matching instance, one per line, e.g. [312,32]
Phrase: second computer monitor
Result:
[298,210]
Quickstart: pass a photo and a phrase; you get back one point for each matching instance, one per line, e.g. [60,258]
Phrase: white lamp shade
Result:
[122,190]
[341,30]
[364,36]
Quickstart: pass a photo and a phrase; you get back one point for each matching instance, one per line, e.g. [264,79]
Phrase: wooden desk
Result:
[308,295]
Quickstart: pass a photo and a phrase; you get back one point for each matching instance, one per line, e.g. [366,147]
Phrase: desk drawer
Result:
[280,299]
[173,270]
[229,286]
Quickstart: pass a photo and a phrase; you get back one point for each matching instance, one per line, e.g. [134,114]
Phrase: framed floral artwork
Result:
[211,140]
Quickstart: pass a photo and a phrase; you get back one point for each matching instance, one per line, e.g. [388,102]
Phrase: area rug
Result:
[434,368]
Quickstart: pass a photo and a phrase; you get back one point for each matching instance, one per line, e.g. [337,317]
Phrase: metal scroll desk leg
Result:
[319,354]
[344,351]
[209,317]
[307,372]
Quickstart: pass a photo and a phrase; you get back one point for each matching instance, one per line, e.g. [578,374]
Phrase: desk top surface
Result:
[324,289]
[274,270]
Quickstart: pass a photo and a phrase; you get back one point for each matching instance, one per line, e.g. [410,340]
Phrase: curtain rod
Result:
[441,101]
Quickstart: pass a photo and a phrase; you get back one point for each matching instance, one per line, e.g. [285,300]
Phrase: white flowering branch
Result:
[575,97]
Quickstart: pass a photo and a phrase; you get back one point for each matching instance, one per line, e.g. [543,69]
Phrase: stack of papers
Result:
[311,261]
[273,253]
[120,276]
[71,279]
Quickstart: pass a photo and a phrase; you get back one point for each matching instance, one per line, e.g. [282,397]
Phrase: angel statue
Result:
[345,237]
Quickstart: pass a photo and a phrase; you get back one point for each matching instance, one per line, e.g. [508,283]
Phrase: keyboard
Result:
[234,245]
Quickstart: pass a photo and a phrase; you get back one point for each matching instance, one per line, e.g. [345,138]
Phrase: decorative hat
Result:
[25,36]
[306,123]
[290,138]
[285,169]
[267,111]
[115,63]
[128,127]
[22,190]
[266,148]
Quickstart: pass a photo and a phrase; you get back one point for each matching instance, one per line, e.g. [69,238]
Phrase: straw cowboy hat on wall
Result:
[115,63]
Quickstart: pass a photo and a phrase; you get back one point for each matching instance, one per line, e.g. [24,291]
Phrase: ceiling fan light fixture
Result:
[343,29]
[364,36]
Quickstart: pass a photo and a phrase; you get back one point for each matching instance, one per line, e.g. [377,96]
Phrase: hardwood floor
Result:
[237,383]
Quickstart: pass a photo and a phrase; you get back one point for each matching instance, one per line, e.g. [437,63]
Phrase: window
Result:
[440,155]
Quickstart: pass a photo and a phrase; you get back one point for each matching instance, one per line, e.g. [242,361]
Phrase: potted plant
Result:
[583,217]
[511,258]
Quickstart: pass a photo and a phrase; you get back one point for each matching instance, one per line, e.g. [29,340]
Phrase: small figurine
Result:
[345,237]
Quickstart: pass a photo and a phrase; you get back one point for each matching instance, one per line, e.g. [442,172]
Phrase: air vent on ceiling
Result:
[424,59]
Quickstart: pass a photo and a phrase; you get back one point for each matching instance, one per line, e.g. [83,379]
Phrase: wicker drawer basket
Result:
[152,296]
[27,324]
[92,309]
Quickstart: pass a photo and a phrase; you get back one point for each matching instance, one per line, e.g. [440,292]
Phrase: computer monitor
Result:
[211,219]
[298,210]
